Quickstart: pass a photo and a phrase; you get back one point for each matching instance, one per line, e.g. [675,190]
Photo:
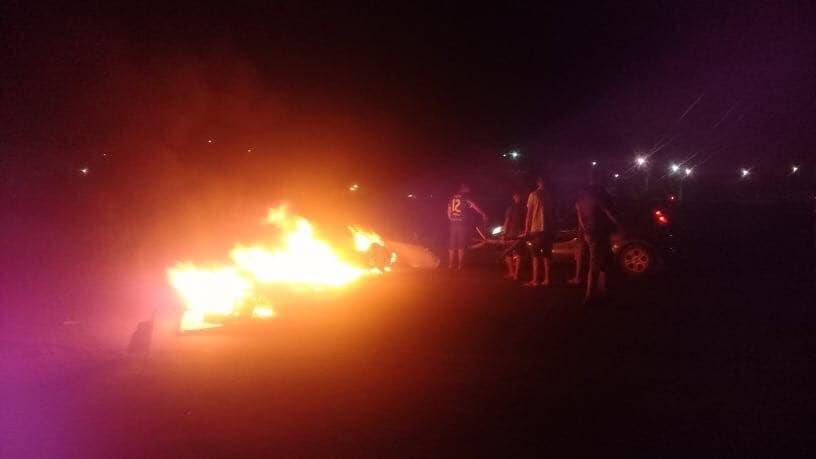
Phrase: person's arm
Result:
[606,207]
[478,210]
[612,218]
[528,217]
[506,222]
[580,218]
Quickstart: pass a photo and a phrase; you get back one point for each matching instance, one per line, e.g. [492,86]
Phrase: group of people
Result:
[529,228]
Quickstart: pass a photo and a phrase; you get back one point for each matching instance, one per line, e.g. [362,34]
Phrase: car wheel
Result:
[636,259]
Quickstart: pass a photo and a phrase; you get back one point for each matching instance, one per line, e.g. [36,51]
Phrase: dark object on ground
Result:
[140,339]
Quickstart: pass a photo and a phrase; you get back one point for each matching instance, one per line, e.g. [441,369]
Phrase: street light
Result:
[640,161]
[674,168]
[688,171]
[794,169]
[745,172]
[594,163]
[616,175]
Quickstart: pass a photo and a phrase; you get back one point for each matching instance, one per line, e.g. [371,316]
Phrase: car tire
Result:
[636,259]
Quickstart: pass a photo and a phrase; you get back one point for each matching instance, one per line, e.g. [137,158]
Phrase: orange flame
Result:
[301,260]
[363,240]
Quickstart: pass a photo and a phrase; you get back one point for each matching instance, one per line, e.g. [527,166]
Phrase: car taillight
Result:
[661,218]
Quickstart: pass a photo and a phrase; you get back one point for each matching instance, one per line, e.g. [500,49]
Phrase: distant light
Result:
[672,197]
[794,169]
[104,155]
[616,175]
[674,167]
[594,163]
[497,230]
[411,196]
[688,171]
[354,187]
[640,161]
[209,140]
[745,172]
[515,154]
[84,171]
[249,150]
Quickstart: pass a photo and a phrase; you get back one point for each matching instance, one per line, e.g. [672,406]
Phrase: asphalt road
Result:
[707,359]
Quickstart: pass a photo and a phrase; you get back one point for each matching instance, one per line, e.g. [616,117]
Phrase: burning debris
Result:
[300,261]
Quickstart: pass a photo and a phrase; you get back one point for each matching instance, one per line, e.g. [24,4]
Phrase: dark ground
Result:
[710,358]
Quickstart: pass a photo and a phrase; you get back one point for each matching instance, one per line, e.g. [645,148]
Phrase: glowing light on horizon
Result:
[640,161]
[745,172]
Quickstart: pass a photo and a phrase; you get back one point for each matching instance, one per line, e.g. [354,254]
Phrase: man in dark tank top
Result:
[597,222]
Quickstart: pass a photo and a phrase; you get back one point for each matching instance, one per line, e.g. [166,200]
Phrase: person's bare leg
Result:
[450,258]
[579,266]
[534,280]
[546,280]
[461,259]
[601,283]
[508,262]
[592,275]
[516,266]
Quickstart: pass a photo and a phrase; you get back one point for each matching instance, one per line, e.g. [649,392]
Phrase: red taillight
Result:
[661,218]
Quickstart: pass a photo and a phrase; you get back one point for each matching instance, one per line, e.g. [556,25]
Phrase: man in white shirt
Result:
[538,230]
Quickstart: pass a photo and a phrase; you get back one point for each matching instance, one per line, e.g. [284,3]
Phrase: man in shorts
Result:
[597,222]
[539,230]
[460,230]
[513,228]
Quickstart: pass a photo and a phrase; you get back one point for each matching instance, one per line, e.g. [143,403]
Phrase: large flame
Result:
[300,260]
[363,240]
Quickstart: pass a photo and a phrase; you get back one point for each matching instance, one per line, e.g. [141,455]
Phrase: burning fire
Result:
[363,239]
[301,260]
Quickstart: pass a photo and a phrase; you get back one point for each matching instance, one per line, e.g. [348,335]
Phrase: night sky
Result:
[388,92]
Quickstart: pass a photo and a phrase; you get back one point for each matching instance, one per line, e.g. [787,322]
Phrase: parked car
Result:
[646,241]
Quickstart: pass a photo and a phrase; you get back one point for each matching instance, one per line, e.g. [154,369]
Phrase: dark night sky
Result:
[393,90]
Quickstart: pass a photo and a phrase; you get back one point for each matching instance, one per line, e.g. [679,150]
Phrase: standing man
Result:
[539,229]
[460,230]
[513,228]
[597,222]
